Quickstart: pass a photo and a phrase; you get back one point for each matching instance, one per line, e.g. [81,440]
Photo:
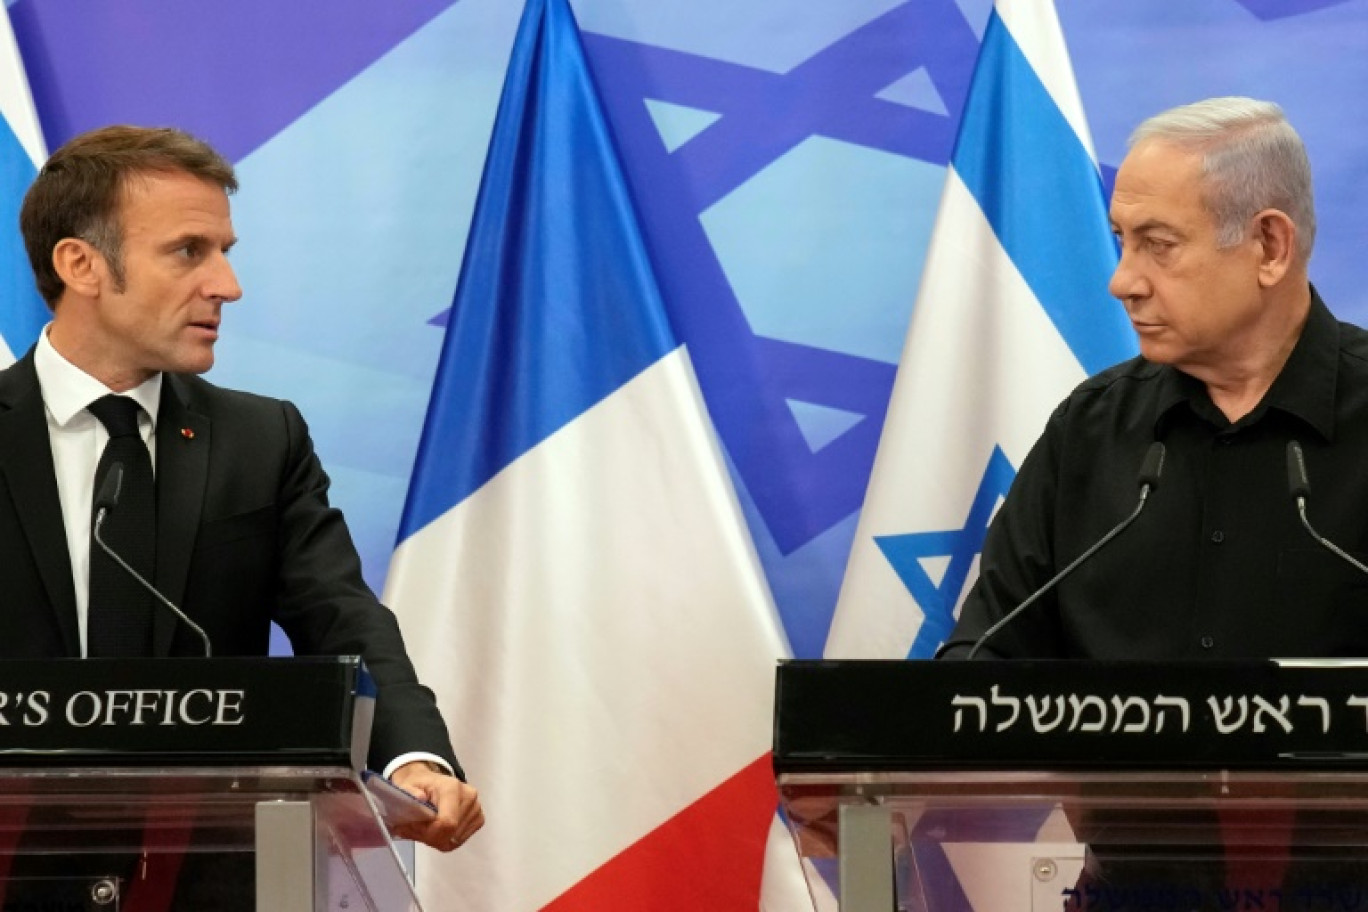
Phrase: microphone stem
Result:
[1011,615]
[1301,511]
[99,521]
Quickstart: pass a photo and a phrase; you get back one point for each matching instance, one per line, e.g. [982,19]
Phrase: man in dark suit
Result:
[128,231]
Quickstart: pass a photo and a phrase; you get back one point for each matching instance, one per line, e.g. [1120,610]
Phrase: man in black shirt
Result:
[1239,356]
[1213,211]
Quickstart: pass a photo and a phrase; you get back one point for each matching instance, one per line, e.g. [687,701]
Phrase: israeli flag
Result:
[574,576]
[22,150]
[1013,312]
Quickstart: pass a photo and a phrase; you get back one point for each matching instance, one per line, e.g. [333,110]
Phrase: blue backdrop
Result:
[786,155]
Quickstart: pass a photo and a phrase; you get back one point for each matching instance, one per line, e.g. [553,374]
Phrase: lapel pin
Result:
[188,433]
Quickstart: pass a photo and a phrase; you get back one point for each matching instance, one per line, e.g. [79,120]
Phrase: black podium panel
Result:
[1006,786]
[200,712]
[875,715]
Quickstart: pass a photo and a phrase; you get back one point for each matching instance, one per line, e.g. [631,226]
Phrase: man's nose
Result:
[222,282]
[1126,282]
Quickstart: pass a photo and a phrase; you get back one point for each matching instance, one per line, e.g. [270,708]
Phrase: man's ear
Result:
[1277,236]
[81,267]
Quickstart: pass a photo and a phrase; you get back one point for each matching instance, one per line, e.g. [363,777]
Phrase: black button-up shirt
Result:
[1218,565]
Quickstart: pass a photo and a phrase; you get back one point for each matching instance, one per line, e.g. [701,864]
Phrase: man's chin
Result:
[198,363]
[1157,353]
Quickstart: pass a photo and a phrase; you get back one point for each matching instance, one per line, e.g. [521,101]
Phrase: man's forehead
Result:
[150,180]
[160,198]
[1156,166]
[1157,184]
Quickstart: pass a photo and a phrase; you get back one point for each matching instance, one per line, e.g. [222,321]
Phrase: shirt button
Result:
[1218,536]
[1207,642]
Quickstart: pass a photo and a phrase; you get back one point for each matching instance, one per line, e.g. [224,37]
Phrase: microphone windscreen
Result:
[1298,484]
[107,498]
[1153,466]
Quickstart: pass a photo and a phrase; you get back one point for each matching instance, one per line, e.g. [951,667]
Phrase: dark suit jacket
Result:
[245,536]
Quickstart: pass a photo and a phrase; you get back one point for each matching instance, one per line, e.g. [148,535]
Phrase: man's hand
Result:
[458,806]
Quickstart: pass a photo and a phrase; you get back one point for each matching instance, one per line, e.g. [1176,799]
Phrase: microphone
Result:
[1299,486]
[1150,470]
[108,495]
[106,499]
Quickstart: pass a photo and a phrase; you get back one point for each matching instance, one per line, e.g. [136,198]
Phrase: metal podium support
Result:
[866,859]
[288,859]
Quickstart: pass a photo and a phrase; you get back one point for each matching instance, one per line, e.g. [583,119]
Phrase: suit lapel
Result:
[26,464]
[182,474]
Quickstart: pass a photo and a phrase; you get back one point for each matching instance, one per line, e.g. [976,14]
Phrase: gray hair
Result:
[1252,159]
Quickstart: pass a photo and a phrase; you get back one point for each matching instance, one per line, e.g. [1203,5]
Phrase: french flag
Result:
[574,577]
[22,150]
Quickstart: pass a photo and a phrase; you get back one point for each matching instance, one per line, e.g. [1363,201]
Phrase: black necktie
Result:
[119,619]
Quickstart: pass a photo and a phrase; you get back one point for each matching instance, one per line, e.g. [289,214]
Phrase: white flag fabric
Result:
[603,650]
[1013,312]
[22,151]
[574,576]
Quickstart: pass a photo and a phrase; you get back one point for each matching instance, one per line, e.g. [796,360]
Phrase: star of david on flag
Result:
[1013,312]
[909,553]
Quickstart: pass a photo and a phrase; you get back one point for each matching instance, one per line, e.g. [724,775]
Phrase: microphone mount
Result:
[1150,470]
[106,499]
[1299,486]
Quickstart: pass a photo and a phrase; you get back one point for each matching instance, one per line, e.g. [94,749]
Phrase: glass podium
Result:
[91,837]
[916,801]
[995,842]
[193,784]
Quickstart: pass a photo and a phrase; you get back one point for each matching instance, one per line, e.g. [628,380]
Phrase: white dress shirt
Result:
[78,438]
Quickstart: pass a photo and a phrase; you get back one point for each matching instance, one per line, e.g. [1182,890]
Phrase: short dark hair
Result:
[77,194]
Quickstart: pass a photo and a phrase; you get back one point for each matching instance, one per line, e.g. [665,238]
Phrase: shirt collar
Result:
[1175,388]
[1305,387]
[67,389]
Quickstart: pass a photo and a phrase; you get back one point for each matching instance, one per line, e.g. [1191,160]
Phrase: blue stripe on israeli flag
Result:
[1014,139]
